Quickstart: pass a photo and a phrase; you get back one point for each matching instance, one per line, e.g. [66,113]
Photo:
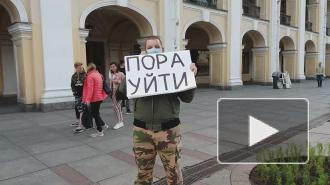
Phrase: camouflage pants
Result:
[146,145]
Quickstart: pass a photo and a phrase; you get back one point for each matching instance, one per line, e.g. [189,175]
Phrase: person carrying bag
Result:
[86,118]
[117,78]
[93,96]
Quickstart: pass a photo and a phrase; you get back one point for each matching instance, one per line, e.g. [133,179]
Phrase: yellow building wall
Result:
[219,67]
[290,64]
[248,24]
[32,73]
[38,67]
[152,8]
[327,65]
[29,55]
[262,66]
[310,65]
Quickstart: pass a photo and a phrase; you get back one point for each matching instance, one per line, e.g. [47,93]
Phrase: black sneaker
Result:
[74,124]
[78,130]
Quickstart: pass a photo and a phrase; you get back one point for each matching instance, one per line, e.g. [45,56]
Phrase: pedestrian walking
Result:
[276,76]
[320,74]
[157,129]
[77,81]
[93,96]
[116,79]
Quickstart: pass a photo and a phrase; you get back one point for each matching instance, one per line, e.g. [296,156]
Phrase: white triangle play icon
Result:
[259,131]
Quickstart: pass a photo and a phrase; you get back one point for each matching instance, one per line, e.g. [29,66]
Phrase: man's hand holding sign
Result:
[161,73]
[158,82]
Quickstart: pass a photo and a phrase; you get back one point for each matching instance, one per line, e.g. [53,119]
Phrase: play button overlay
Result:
[259,131]
[263,130]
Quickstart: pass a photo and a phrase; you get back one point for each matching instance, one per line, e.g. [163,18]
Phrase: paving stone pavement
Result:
[40,148]
[319,129]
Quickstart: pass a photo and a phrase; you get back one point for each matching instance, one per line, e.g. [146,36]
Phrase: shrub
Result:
[315,172]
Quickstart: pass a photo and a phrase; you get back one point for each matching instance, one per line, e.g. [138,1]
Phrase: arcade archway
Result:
[204,40]
[114,32]
[311,56]
[255,63]
[8,79]
[288,57]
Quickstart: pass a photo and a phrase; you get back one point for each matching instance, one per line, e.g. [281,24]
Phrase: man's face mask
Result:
[154,50]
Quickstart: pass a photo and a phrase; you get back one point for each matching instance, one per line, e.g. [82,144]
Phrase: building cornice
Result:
[83,33]
[216,46]
[20,30]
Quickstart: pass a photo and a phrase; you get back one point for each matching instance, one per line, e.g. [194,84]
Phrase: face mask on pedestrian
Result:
[153,45]
[154,50]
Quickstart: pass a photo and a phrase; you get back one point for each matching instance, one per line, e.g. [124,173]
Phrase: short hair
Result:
[90,67]
[152,38]
[77,64]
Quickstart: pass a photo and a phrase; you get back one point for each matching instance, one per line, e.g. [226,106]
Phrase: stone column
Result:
[22,40]
[290,64]
[301,40]
[8,67]
[172,12]
[274,42]
[3,38]
[234,42]
[83,33]
[58,58]
[261,66]
[327,64]
[311,64]
[322,30]
[219,66]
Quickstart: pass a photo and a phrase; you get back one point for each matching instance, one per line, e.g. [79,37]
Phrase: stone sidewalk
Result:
[40,148]
[228,176]
[319,133]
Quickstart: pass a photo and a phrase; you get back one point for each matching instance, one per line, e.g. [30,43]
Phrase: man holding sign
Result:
[158,73]
[158,81]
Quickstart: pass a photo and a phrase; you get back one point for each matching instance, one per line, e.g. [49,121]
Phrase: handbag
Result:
[120,95]
[86,117]
[106,87]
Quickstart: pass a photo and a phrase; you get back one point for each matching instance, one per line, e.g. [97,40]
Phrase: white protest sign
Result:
[162,73]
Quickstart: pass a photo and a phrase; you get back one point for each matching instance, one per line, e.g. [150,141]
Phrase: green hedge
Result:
[315,172]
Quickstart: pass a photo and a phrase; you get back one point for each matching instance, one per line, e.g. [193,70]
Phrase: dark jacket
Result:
[77,82]
[154,110]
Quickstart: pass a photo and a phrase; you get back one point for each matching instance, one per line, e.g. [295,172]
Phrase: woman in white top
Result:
[116,77]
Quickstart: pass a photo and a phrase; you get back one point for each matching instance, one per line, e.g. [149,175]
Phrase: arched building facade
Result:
[41,39]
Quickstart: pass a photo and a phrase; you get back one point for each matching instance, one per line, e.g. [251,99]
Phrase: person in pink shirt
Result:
[93,96]
[116,79]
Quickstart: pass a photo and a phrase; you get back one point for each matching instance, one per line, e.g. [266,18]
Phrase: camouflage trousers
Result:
[167,144]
